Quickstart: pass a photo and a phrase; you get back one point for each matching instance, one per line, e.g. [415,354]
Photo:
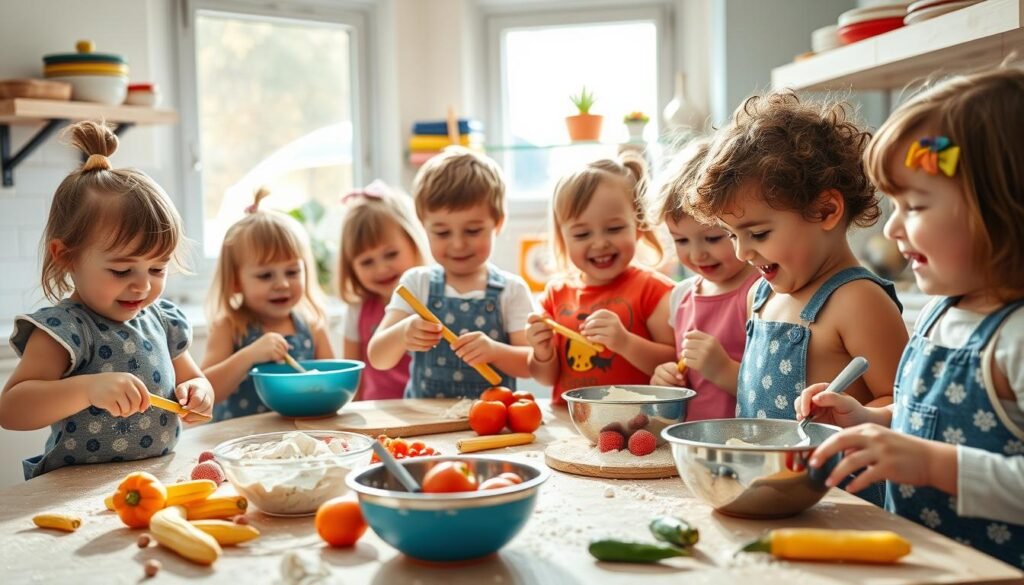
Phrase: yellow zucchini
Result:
[170,528]
[218,507]
[189,491]
[65,522]
[109,502]
[813,544]
[227,533]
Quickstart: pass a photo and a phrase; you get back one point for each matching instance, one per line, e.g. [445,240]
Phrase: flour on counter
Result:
[303,568]
[460,409]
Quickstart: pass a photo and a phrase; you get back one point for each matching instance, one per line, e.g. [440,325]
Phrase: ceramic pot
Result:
[584,127]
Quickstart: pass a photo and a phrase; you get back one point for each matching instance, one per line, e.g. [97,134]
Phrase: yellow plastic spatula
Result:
[172,406]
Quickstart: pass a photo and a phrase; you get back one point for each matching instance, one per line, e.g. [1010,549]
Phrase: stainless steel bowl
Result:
[591,413]
[767,479]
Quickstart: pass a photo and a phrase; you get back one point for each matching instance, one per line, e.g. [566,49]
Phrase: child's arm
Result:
[195,392]
[398,333]
[477,348]
[604,326]
[542,361]
[225,368]
[37,395]
[838,409]
[324,350]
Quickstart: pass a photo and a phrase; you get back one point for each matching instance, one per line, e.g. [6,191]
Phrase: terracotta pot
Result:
[584,127]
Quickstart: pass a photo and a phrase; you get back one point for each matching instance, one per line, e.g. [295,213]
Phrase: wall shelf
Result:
[54,115]
[978,36]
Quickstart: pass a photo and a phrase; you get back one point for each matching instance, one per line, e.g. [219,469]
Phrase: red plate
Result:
[860,31]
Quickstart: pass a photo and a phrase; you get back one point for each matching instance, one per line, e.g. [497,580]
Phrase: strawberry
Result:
[210,470]
[642,443]
[206,456]
[610,441]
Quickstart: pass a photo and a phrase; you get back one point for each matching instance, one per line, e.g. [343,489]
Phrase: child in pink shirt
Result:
[708,310]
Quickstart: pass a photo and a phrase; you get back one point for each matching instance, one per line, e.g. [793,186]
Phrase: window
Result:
[276,105]
[542,60]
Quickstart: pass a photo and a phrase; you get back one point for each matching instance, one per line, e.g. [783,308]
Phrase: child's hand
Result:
[420,334]
[704,353]
[604,327]
[829,407]
[667,374]
[119,393]
[887,455]
[196,395]
[270,347]
[540,337]
[475,348]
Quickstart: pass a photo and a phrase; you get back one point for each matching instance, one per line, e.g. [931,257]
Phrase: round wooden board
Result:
[579,457]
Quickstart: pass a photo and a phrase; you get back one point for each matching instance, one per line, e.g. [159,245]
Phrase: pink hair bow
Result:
[375,190]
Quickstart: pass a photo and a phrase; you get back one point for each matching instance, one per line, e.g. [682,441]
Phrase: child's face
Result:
[461,240]
[379,268]
[704,250]
[272,290]
[929,224]
[601,242]
[115,285]
[788,250]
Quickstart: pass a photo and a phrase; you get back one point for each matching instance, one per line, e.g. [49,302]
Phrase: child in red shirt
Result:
[599,217]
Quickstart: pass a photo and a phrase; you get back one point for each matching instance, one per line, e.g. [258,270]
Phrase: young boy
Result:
[460,199]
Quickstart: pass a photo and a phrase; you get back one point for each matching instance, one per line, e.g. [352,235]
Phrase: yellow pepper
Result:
[139,496]
[812,544]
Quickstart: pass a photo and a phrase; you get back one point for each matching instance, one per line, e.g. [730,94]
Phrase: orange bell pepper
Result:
[139,496]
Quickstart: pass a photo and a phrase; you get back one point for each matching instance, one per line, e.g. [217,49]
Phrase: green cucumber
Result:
[624,551]
[674,531]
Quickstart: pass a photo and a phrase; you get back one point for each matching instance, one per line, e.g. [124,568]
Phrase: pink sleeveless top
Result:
[379,384]
[725,317]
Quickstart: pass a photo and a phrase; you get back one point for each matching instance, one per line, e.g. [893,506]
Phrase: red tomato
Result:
[524,395]
[487,417]
[499,393]
[447,477]
[513,477]
[495,483]
[524,416]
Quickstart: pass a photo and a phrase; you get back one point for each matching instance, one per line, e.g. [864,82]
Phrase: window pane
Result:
[542,67]
[275,109]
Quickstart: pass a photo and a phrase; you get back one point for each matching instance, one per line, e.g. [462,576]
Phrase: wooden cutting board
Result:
[579,457]
[394,418]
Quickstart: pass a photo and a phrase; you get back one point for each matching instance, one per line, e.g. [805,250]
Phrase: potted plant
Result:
[584,126]
[636,122]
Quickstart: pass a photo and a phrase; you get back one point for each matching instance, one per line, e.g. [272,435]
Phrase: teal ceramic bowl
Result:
[310,395]
[454,527]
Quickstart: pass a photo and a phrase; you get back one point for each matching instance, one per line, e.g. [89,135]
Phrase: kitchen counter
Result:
[570,512]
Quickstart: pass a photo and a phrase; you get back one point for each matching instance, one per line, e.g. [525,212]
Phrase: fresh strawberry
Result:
[206,456]
[610,441]
[210,470]
[642,443]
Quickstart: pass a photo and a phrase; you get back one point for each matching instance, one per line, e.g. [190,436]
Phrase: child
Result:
[708,312]
[460,199]
[264,304]
[379,241]
[954,458]
[90,362]
[599,217]
[786,180]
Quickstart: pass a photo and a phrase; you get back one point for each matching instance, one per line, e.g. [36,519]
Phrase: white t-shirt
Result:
[515,302]
[989,485]
[352,321]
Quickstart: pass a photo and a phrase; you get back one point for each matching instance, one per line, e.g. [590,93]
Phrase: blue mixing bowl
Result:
[447,527]
[313,394]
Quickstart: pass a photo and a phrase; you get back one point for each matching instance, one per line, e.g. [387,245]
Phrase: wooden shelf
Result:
[978,36]
[28,111]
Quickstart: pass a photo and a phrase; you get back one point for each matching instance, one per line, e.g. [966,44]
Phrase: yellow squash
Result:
[219,507]
[189,491]
[65,522]
[813,544]
[170,528]
[227,533]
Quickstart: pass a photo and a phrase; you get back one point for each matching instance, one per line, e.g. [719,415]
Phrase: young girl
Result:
[265,304]
[90,362]
[954,458]
[786,180]
[379,241]
[708,312]
[599,217]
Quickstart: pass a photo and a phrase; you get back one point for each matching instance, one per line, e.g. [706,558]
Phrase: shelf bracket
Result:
[8,162]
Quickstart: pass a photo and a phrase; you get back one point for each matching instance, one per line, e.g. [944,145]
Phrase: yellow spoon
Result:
[172,406]
[573,335]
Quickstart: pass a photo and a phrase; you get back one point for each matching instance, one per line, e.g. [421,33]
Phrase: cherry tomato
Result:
[450,476]
[495,483]
[511,476]
[524,395]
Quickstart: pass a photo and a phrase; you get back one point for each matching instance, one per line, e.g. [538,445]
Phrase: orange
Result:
[487,417]
[340,522]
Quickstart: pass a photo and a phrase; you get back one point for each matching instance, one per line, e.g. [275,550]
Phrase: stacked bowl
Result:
[94,77]
[923,10]
[862,23]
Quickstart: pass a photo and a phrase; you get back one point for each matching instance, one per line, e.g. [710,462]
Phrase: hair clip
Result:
[933,154]
[375,190]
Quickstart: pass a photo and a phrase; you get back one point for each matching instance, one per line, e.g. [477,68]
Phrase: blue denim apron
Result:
[439,373]
[941,396]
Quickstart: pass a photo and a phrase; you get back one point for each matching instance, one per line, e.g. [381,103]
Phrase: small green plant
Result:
[636,117]
[584,101]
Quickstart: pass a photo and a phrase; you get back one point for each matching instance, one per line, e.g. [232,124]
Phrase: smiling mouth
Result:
[460,258]
[605,261]
[281,301]
[915,259]
[388,280]
[709,268]
[130,304]
[768,271]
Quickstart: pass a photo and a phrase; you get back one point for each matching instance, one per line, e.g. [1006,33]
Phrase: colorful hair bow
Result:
[375,190]
[933,154]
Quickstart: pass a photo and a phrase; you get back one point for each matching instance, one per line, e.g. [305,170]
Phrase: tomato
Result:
[495,483]
[487,417]
[340,522]
[399,447]
[524,416]
[447,477]
[523,395]
[511,476]
[499,393]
